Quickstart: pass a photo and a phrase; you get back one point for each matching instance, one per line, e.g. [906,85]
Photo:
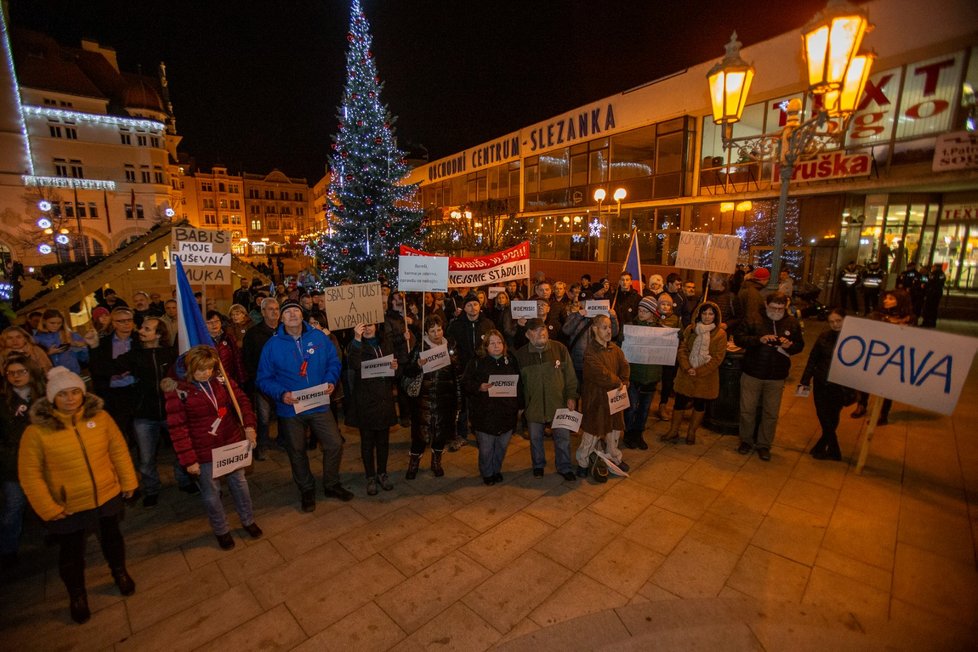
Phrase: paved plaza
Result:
[701,548]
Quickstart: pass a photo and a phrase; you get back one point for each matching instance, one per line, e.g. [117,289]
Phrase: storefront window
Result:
[633,154]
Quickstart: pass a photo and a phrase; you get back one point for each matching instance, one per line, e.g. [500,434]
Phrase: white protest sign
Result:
[711,253]
[923,368]
[618,400]
[494,290]
[523,309]
[232,457]
[568,419]
[205,254]
[435,358]
[595,307]
[503,385]
[349,305]
[310,398]
[377,368]
[422,274]
[650,345]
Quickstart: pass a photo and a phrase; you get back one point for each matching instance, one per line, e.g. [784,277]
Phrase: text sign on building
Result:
[708,252]
[957,150]
[826,166]
[959,213]
[896,362]
[205,254]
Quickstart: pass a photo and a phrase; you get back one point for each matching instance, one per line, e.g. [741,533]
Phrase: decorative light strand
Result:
[31,180]
[152,126]
[8,53]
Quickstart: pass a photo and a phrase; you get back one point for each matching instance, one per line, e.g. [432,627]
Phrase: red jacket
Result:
[190,415]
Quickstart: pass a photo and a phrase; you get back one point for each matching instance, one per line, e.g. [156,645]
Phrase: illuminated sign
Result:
[65,182]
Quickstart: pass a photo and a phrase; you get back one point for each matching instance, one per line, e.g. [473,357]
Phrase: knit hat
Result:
[761,274]
[98,312]
[291,303]
[469,298]
[60,379]
[650,304]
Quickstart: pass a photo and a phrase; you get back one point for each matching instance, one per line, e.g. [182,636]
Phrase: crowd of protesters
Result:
[76,449]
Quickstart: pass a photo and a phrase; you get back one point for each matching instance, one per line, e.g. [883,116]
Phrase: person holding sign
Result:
[701,350]
[491,381]
[605,369]
[371,403]
[200,418]
[295,359]
[644,378]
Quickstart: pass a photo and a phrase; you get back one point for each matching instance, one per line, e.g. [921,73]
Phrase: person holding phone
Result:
[64,347]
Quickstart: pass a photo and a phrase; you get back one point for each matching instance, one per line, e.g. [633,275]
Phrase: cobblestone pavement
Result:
[699,548]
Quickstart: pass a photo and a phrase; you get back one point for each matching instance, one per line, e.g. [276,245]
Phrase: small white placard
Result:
[523,309]
[494,290]
[377,368]
[232,457]
[422,274]
[803,391]
[503,385]
[618,400]
[310,398]
[435,358]
[569,419]
[595,307]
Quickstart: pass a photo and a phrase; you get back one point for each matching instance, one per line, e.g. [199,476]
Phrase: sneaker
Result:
[537,473]
[338,491]
[744,448]
[764,454]
[384,482]
[372,486]
[226,541]
[151,500]
[308,500]
[623,466]
[569,476]
[253,530]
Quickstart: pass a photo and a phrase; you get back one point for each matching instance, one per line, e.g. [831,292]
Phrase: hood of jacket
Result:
[716,312]
[42,412]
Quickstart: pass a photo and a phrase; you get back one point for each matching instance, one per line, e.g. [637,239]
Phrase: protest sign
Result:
[349,305]
[507,265]
[377,368]
[435,358]
[711,253]
[569,419]
[205,254]
[523,309]
[618,399]
[650,345]
[422,273]
[595,307]
[503,385]
[922,368]
[225,459]
[494,290]
[310,398]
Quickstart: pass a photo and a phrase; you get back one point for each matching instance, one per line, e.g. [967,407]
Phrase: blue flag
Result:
[191,330]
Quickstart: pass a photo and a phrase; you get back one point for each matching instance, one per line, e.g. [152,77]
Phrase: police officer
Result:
[874,278]
[849,279]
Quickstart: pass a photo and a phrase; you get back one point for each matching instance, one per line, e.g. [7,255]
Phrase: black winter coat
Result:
[468,335]
[150,366]
[441,392]
[371,402]
[762,360]
[495,415]
[820,358]
[14,419]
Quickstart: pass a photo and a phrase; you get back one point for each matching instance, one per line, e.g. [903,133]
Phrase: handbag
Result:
[412,384]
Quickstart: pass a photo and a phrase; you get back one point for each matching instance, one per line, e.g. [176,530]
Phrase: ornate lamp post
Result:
[836,79]
[599,196]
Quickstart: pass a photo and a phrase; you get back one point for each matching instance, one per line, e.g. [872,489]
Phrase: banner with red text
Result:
[508,265]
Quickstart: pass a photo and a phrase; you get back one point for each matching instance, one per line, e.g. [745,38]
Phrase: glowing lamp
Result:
[730,82]
[745,206]
[846,100]
[620,194]
[830,41]
[726,207]
[600,194]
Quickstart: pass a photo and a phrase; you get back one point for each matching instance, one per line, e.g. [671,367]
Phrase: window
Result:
[273,225]
[208,202]
[300,211]
[60,167]
[69,209]
[139,212]
[131,173]
[286,225]
[256,225]
[269,194]
[210,219]
[283,195]
[223,202]
[144,173]
[76,169]
[255,209]
[269,209]
[632,154]
[125,137]
[252,193]
[286,210]
[158,174]
[154,141]
[235,204]
[298,196]
[221,187]
[54,130]
[224,219]
[206,186]
[233,188]
[92,210]
[49,102]
[235,219]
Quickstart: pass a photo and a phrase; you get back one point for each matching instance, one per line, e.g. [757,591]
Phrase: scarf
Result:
[699,352]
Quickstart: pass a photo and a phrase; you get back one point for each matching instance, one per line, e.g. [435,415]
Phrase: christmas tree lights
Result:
[370,212]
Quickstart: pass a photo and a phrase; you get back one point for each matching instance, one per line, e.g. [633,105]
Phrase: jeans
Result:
[263,415]
[492,451]
[210,491]
[148,432]
[767,394]
[323,427]
[538,456]
[374,442]
[12,517]
[71,557]
[637,413]
[589,443]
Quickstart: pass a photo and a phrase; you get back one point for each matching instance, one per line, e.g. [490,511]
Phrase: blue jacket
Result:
[281,361]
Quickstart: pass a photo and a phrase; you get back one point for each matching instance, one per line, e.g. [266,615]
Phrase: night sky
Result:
[256,85]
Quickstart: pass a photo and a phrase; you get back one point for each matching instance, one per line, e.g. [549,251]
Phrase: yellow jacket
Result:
[73,463]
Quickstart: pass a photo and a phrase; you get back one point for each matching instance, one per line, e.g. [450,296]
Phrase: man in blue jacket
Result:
[295,358]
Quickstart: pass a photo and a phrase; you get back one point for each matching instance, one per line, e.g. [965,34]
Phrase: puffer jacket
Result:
[495,415]
[371,402]
[706,382]
[231,358]
[605,369]
[73,463]
[762,360]
[190,415]
[441,392]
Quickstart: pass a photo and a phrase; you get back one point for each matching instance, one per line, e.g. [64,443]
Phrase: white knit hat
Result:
[60,379]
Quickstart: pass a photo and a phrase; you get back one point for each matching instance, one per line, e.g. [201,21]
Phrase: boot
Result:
[78,605]
[665,412]
[695,421]
[820,448]
[122,580]
[436,463]
[628,440]
[672,435]
[640,442]
[413,463]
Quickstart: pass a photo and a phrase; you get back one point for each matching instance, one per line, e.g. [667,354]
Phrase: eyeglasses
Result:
[17,372]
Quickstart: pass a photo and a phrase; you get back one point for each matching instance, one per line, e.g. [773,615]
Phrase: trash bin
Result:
[723,413]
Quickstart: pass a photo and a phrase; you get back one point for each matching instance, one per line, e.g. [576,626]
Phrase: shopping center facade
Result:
[901,186]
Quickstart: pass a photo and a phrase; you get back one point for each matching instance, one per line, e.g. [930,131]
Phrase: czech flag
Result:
[633,265]
[191,330]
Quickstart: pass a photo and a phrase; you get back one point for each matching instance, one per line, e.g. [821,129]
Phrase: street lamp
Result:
[599,196]
[836,76]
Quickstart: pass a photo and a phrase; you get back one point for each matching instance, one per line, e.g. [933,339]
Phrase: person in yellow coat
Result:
[75,470]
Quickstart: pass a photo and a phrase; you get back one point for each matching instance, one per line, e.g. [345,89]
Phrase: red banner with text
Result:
[508,265]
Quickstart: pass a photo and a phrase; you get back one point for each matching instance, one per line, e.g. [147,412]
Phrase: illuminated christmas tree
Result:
[370,212]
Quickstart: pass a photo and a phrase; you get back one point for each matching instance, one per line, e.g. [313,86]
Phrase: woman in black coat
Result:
[829,397]
[435,409]
[371,403]
[493,418]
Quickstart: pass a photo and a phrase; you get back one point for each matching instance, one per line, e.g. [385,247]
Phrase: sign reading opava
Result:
[708,252]
[923,368]
[349,305]
[205,254]
[422,273]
